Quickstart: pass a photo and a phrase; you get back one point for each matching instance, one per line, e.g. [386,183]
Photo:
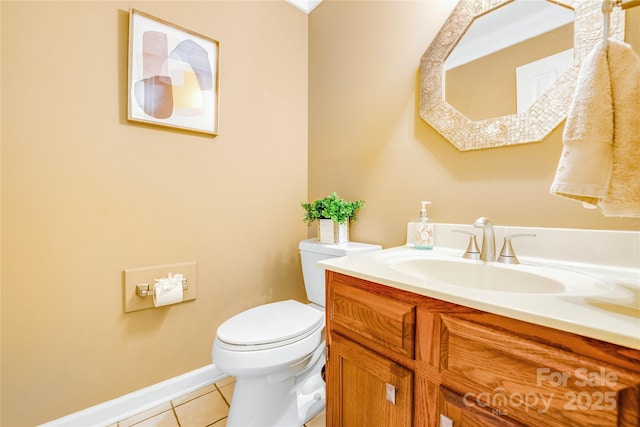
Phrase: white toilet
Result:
[276,351]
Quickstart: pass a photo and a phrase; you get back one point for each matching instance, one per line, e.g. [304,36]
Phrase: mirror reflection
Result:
[518,50]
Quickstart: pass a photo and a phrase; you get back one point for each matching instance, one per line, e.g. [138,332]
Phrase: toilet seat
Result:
[269,326]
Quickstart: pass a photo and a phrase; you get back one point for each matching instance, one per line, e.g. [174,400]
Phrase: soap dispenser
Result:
[423,229]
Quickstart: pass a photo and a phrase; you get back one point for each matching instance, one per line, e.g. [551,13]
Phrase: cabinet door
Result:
[465,413]
[366,389]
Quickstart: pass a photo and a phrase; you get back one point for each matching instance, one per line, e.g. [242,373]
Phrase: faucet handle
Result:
[473,251]
[507,255]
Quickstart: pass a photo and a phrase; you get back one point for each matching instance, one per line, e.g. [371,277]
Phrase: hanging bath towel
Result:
[623,193]
[600,162]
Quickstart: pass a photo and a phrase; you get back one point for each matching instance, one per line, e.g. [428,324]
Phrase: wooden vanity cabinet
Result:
[400,359]
[370,356]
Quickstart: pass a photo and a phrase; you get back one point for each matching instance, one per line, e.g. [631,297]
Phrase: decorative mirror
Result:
[532,96]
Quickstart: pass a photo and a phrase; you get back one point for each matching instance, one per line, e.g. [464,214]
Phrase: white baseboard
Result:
[115,410]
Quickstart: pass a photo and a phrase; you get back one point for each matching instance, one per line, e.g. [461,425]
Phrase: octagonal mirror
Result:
[503,72]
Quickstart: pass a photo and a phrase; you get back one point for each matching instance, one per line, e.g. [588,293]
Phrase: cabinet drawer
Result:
[383,320]
[532,382]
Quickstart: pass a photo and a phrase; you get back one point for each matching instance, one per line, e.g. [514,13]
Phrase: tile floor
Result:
[205,407]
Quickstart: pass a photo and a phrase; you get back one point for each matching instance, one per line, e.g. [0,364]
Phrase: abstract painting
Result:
[173,75]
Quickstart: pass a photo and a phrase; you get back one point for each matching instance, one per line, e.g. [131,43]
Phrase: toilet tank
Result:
[311,252]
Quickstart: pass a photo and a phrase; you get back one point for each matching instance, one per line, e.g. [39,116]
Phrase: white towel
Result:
[623,194]
[600,162]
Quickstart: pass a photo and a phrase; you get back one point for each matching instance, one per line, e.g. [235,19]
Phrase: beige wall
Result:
[85,194]
[366,139]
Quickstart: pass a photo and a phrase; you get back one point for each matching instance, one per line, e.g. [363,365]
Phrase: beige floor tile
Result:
[193,395]
[164,419]
[319,420]
[227,391]
[203,407]
[221,423]
[146,414]
[226,381]
[203,411]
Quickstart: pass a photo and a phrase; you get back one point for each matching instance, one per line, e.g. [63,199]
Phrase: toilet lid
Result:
[272,323]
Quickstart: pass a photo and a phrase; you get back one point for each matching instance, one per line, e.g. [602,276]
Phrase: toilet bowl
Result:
[276,351]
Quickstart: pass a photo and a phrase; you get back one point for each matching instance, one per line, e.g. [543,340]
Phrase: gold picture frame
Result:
[173,77]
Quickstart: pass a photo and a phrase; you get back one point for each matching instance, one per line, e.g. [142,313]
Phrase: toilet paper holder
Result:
[143,290]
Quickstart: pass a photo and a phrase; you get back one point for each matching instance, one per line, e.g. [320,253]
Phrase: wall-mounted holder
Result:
[144,291]
[138,284]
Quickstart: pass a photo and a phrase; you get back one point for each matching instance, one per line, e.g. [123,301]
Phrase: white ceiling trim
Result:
[305,5]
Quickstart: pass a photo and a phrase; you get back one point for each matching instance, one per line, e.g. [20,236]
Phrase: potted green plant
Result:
[333,215]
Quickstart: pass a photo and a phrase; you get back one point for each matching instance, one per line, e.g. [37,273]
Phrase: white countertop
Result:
[610,314]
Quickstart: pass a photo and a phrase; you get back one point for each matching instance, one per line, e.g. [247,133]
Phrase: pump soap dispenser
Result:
[424,229]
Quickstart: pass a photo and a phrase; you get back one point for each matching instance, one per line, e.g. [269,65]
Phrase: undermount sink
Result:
[520,278]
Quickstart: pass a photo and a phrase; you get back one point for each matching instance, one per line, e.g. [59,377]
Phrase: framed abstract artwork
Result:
[173,75]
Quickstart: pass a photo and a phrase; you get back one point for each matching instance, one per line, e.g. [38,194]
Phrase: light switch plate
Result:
[147,275]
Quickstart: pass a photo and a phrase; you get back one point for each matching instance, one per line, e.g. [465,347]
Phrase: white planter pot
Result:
[332,232]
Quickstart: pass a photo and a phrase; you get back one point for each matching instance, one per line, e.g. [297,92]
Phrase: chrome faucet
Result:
[488,251]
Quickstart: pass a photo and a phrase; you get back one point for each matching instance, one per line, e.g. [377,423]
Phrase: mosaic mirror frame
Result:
[543,116]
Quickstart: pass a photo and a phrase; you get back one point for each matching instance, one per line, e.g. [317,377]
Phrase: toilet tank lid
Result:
[342,249]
